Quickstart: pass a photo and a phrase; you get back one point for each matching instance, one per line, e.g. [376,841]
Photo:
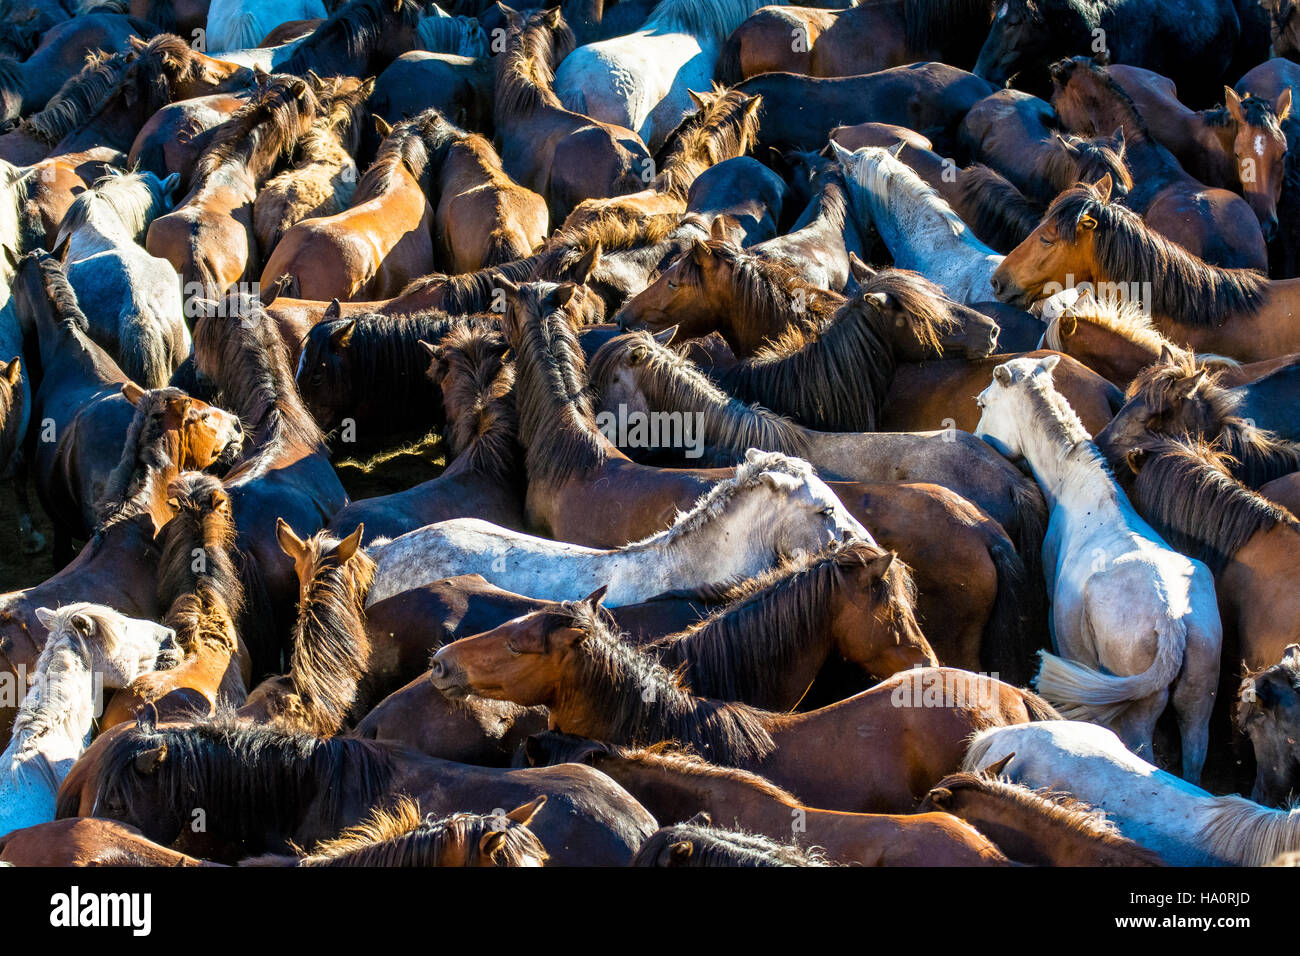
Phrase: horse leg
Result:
[33,542]
[1193,700]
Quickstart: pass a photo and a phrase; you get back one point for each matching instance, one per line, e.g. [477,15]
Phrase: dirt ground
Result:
[17,570]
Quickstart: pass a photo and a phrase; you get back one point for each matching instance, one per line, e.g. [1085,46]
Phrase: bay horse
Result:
[384,239]
[485,478]
[209,237]
[1193,44]
[1184,824]
[330,648]
[360,38]
[1036,827]
[1233,312]
[1214,224]
[173,139]
[264,789]
[283,471]
[821,240]
[675,785]
[323,176]
[562,155]
[595,685]
[1183,487]
[1121,598]
[1264,711]
[802,514]
[1238,146]
[1269,81]
[203,600]
[88,841]
[86,643]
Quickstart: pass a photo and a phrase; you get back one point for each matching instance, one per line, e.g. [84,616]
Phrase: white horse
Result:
[1134,621]
[774,507]
[643,80]
[55,718]
[920,229]
[1183,823]
[243,24]
[132,300]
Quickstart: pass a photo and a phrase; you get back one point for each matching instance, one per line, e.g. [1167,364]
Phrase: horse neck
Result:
[1109,350]
[1064,460]
[670,792]
[56,716]
[62,341]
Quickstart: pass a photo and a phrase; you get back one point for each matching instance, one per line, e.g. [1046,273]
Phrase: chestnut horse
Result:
[889,747]
[203,601]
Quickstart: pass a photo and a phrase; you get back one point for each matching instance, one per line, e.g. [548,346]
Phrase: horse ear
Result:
[564,294]
[1194,384]
[132,392]
[174,503]
[699,101]
[881,564]
[1233,102]
[587,264]
[60,250]
[524,814]
[534,751]
[1103,186]
[1135,459]
[382,126]
[1117,138]
[1002,375]
[878,299]
[940,798]
[896,149]
[995,769]
[679,853]
[1049,362]
[290,543]
[137,43]
[431,349]
[595,597]
[1283,107]
[701,819]
[11,257]
[663,338]
[1066,145]
[699,250]
[151,759]
[260,76]
[490,842]
[341,337]
[46,617]
[332,311]
[14,371]
[1291,653]
[1167,356]
[861,271]
[146,717]
[170,183]
[348,546]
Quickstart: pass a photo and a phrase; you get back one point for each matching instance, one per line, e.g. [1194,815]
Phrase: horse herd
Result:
[653,432]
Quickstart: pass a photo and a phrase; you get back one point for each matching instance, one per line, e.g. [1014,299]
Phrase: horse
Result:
[1192,45]
[1214,224]
[264,789]
[323,177]
[921,230]
[699,843]
[173,139]
[208,237]
[131,300]
[1121,598]
[1238,146]
[485,478]
[675,785]
[802,514]
[384,239]
[562,155]
[1086,238]
[1269,81]
[283,471]
[1035,827]
[202,601]
[360,38]
[642,81]
[1181,822]
[88,841]
[1264,711]
[595,685]
[241,24]
[821,240]
[330,646]
[88,644]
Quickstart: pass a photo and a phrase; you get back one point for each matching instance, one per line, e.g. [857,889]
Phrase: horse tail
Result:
[1009,643]
[504,245]
[141,352]
[1082,693]
[241,32]
[728,71]
[1031,508]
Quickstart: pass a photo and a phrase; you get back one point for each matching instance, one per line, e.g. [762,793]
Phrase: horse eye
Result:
[514,652]
[1045,240]
[672,284]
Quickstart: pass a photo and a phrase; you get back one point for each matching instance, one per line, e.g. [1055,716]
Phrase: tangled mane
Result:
[1259,113]
[250,778]
[1080,160]
[163,62]
[134,198]
[467,293]
[641,702]
[418,145]
[611,227]
[725,128]
[478,393]
[526,70]
[356,28]
[79,98]
[742,651]
[1184,487]
[1125,318]
[1000,214]
[268,125]
[671,382]
[690,844]
[143,456]
[1196,293]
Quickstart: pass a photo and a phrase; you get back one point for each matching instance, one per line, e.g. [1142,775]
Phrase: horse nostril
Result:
[437,668]
[996,283]
[1270,229]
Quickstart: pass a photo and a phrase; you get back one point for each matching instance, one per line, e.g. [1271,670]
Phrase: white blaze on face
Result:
[1259,145]
[1002,11]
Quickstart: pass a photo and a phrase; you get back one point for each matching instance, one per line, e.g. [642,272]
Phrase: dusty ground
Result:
[17,570]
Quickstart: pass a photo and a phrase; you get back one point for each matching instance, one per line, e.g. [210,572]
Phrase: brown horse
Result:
[1238,146]
[1086,238]
[675,785]
[384,239]
[209,236]
[323,176]
[173,139]
[88,841]
[264,789]
[1214,224]
[1035,827]
[879,751]
[1264,711]
[566,157]
[330,647]
[203,601]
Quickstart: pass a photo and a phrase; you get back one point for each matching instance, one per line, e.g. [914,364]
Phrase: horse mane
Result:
[46,707]
[1249,834]
[1063,71]
[526,69]
[399,836]
[126,486]
[162,62]
[672,382]
[724,129]
[612,226]
[1258,111]
[457,35]
[253,778]
[1185,489]
[711,846]
[835,379]
[641,702]
[134,198]
[1062,424]
[742,651]
[359,24]
[343,99]
[1078,159]
[469,292]
[481,382]
[712,19]
[418,144]
[79,98]
[267,124]
[1056,806]
[1126,319]
[1195,293]
[1003,215]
